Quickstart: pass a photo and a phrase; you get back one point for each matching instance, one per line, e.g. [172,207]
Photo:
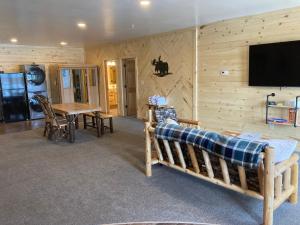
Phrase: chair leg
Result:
[84,121]
[76,123]
[98,124]
[45,130]
[50,133]
[111,125]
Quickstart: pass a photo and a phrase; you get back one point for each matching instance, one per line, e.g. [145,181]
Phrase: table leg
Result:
[76,122]
[93,122]
[71,128]
[98,124]
[111,126]
[102,126]
[84,121]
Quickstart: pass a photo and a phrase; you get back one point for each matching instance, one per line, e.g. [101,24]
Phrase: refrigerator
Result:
[13,97]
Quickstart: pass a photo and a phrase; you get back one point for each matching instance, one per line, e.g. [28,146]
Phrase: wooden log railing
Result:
[277,183]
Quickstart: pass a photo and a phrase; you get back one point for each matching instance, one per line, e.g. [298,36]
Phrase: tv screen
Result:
[276,64]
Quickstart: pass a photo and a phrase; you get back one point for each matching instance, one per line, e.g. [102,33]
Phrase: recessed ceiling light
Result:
[13,40]
[63,43]
[145,2]
[81,25]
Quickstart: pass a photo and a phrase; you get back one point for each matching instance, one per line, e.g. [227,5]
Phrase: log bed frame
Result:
[275,184]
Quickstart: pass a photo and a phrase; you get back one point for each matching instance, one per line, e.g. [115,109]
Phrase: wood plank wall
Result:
[223,102]
[228,102]
[177,48]
[12,56]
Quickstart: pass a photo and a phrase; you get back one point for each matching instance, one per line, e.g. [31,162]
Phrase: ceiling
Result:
[48,22]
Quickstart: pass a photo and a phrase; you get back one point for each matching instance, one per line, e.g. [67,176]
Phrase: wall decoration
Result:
[161,68]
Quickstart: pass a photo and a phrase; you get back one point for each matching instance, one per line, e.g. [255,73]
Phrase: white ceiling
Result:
[48,22]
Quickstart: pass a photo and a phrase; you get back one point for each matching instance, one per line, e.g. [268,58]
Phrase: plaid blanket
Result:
[236,150]
[161,114]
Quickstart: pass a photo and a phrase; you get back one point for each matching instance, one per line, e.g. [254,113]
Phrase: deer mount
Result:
[161,68]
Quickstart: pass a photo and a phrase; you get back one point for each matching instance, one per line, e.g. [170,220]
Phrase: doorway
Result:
[80,86]
[129,90]
[112,87]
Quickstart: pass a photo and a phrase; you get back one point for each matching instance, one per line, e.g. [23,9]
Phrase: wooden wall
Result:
[12,56]
[223,102]
[227,102]
[177,48]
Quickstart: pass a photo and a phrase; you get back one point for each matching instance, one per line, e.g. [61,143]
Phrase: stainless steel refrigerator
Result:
[13,97]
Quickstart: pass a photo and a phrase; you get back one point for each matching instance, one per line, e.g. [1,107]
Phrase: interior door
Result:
[130,87]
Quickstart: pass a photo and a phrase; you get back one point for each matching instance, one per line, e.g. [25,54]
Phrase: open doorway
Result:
[129,90]
[112,87]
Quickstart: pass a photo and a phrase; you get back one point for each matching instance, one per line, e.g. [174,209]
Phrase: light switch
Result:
[224,72]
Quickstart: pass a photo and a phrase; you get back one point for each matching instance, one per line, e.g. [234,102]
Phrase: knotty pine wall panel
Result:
[12,56]
[177,48]
[227,102]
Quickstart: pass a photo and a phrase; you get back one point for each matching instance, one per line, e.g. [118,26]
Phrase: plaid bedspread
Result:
[236,150]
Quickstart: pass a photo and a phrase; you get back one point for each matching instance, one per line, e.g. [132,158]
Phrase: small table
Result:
[72,110]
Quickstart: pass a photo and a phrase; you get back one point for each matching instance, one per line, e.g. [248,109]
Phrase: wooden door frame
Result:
[124,111]
[106,94]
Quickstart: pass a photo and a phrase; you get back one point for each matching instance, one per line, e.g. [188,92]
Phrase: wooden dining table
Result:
[72,110]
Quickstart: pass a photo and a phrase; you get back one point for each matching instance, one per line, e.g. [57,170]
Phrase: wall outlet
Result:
[224,72]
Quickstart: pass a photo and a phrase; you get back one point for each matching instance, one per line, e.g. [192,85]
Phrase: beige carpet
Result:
[101,181]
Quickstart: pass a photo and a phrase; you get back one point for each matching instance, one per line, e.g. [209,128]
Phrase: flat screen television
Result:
[275,65]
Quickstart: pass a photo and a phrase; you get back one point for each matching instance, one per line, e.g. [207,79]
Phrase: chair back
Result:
[47,109]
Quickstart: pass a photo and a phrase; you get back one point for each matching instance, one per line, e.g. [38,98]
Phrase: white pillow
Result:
[170,121]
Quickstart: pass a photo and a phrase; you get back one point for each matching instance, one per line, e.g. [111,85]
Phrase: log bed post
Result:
[150,116]
[148,151]
[269,175]
[294,180]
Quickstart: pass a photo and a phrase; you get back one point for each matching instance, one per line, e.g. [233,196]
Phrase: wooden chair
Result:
[55,127]
[106,117]
[103,118]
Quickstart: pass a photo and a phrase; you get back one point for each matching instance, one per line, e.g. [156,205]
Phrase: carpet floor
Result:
[102,181]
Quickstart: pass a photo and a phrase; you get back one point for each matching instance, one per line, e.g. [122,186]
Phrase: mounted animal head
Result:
[153,62]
